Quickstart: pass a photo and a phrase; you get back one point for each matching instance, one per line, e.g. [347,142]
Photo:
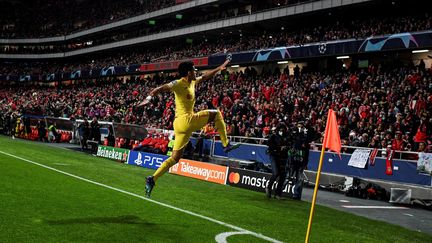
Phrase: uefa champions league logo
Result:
[229,57]
[322,48]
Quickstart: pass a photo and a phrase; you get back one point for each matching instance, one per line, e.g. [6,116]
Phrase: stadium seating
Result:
[54,18]
[332,31]
[264,102]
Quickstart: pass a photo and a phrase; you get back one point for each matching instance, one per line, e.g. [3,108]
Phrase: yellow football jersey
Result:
[184,96]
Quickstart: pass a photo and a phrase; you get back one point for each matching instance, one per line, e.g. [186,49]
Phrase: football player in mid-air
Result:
[186,120]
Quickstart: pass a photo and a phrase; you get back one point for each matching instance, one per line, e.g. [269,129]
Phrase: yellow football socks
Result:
[221,127]
[164,168]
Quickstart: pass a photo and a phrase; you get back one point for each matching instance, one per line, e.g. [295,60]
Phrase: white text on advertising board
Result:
[148,160]
[110,153]
[262,183]
[185,167]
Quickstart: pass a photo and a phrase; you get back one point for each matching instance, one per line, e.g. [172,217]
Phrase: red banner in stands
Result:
[199,62]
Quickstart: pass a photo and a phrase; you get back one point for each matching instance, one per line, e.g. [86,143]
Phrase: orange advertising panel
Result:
[200,170]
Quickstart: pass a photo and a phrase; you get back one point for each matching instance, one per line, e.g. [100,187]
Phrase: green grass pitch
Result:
[41,205]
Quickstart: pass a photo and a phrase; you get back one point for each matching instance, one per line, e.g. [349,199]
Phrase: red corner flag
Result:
[331,136]
[332,142]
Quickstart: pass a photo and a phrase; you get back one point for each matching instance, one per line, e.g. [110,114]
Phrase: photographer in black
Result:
[95,135]
[41,131]
[298,156]
[12,124]
[84,131]
[278,151]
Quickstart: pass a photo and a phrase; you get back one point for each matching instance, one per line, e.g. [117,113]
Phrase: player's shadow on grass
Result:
[124,219]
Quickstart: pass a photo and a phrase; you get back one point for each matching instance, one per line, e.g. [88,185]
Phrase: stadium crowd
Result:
[231,43]
[375,107]
[21,19]
[64,17]
[295,35]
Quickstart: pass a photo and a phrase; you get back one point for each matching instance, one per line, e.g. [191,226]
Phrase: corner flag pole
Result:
[315,195]
[331,141]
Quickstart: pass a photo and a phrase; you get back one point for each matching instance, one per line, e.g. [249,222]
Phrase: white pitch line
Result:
[258,235]
[374,207]
[222,237]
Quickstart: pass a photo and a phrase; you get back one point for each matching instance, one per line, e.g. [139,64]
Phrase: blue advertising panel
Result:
[400,41]
[146,160]
[250,152]
[403,171]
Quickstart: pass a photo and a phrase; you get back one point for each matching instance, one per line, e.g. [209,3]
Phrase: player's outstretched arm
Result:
[154,92]
[211,73]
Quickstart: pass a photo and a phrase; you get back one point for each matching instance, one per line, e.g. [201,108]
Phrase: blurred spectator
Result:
[398,143]
[53,135]
[110,138]
[41,131]
[278,151]
[84,131]
[95,135]
[423,131]
[422,148]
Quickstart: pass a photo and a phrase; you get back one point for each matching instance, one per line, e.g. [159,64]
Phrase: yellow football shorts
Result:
[185,124]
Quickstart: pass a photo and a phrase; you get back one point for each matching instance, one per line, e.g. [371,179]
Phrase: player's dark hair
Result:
[185,67]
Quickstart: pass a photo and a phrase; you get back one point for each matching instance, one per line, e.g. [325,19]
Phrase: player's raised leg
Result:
[203,117]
